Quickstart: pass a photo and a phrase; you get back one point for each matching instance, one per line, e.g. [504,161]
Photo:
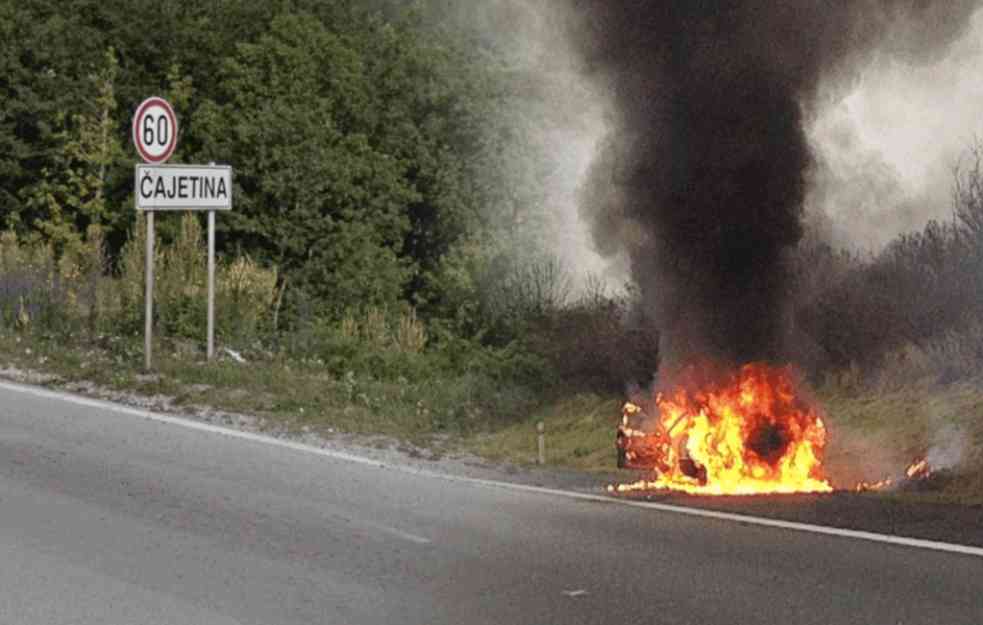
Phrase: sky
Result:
[886,146]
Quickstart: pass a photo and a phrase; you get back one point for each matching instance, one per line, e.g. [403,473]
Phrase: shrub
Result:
[599,343]
[245,295]
[37,292]
[128,310]
[244,291]
[75,291]
[181,282]
[370,343]
[951,357]
[921,296]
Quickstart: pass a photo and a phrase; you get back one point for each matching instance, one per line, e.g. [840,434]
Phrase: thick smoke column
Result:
[702,180]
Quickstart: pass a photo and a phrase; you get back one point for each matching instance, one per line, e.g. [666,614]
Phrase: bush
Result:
[907,303]
[43,291]
[954,356]
[75,291]
[494,294]
[599,343]
[392,358]
[244,291]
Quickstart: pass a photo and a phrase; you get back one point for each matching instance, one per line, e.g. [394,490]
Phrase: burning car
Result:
[638,449]
[734,433]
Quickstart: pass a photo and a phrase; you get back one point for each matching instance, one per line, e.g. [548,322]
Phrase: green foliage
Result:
[48,57]
[385,163]
[495,293]
[391,360]
[130,285]
[316,193]
[372,142]
[44,291]
[73,291]
[578,433]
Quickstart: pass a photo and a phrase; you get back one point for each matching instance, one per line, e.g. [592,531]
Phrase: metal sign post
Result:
[211,285]
[210,351]
[155,138]
[148,329]
[161,187]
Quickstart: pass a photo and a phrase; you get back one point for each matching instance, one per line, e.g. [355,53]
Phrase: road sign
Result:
[155,130]
[183,187]
[160,187]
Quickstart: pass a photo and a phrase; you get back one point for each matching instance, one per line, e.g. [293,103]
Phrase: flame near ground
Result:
[742,433]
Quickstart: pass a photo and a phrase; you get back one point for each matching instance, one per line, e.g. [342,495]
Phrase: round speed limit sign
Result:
[155,130]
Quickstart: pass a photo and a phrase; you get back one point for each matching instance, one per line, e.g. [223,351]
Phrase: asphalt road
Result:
[112,519]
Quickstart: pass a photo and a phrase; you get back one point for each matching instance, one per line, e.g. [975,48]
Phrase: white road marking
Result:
[385,529]
[338,455]
[580,592]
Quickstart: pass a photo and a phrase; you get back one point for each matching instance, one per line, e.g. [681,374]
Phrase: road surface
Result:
[112,519]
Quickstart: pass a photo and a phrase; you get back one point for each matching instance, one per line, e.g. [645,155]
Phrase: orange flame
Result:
[878,485]
[919,469]
[747,434]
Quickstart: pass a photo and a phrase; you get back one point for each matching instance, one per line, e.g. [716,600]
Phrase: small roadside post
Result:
[160,187]
[541,440]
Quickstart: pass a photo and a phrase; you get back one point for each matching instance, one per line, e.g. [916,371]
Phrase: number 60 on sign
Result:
[155,130]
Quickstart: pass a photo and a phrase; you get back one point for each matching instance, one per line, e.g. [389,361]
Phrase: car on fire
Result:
[639,449]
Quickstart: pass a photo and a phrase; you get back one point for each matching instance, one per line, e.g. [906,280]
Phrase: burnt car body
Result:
[642,450]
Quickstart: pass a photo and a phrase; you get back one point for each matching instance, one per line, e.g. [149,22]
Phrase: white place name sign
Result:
[183,187]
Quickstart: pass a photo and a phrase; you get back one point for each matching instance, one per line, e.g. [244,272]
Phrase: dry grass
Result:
[404,333]
[909,421]
[579,434]
[72,290]
[286,394]
[902,424]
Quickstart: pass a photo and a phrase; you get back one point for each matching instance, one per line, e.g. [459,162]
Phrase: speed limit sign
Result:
[155,130]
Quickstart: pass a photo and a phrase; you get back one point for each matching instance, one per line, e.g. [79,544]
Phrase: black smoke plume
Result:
[702,179]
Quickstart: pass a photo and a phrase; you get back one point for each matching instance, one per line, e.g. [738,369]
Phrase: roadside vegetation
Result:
[891,345]
[383,271]
[369,370]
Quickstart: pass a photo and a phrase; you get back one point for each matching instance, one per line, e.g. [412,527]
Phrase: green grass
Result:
[580,431]
[960,404]
[298,394]
[580,428]
[579,434]
[286,393]
[906,419]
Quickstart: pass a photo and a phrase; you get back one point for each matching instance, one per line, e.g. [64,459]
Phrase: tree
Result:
[378,152]
[70,195]
[313,194]
[47,54]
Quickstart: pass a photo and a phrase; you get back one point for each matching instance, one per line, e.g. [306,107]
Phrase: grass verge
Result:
[579,434]
[877,430]
[300,395]
[926,418]
[289,394]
